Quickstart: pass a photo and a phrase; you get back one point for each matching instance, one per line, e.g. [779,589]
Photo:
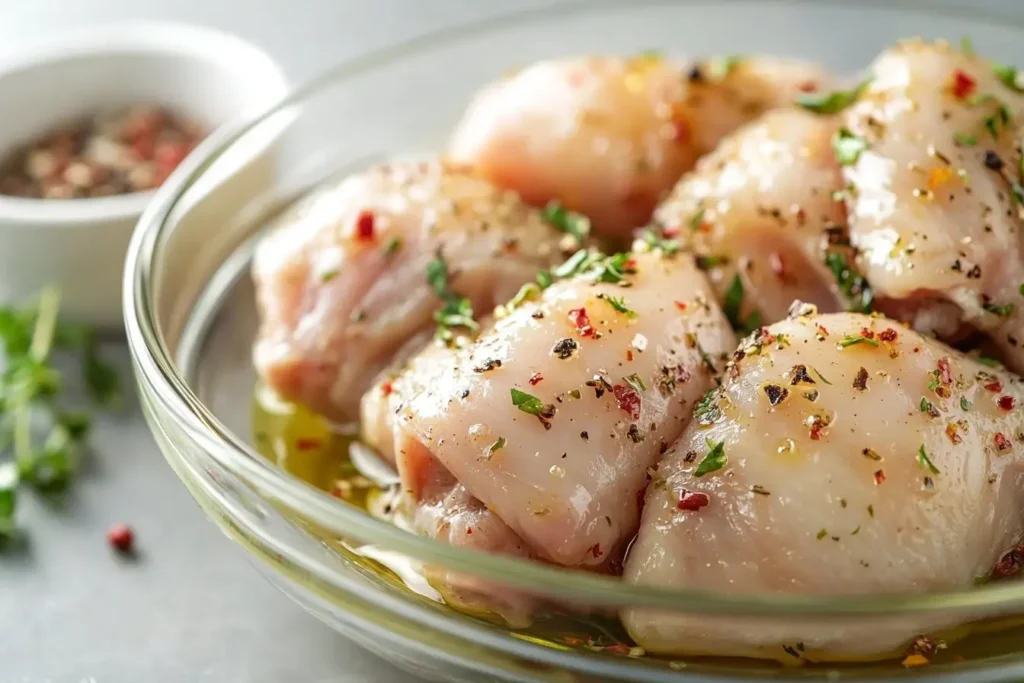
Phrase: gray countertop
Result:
[189,609]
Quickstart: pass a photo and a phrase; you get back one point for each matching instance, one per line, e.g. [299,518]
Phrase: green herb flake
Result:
[713,461]
[455,311]
[820,376]
[392,246]
[989,362]
[635,382]
[1002,310]
[852,340]
[544,279]
[847,147]
[1008,75]
[732,306]
[619,304]
[720,67]
[8,498]
[852,284]
[698,219]
[926,405]
[822,533]
[669,247]
[495,447]
[833,102]
[706,411]
[567,221]
[924,461]
[527,403]
[965,140]
[965,405]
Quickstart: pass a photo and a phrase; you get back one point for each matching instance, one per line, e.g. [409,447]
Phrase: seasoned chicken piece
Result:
[760,211]
[843,455]
[931,155]
[552,417]
[342,284]
[608,136]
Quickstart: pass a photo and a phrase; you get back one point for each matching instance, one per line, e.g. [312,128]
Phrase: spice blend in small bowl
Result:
[129,150]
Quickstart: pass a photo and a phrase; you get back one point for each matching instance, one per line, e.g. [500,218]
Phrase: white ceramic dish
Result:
[79,244]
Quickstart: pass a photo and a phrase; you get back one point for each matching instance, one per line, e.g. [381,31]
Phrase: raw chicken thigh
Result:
[760,211]
[342,285]
[932,157]
[843,455]
[552,417]
[608,136]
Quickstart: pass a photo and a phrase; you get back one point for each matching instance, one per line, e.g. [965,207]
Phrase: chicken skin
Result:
[553,415]
[842,455]
[760,211]
[931,155]
[342,285]
[609,136]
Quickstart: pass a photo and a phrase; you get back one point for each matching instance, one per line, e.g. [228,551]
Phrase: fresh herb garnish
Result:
[965,405]
[1008,75]
[494,447]
[567,221]
[392,246]
[635,382]
[847,147]
[706,411]
[698,219]
[851,340]
[1002,310]
[528,403]
[713,461]
[924,461]
[455,312]
[820,376]
[614,268]
[619,304]
[852,284]
[926,405]
[965,140]
[29,388]
[732,306]
[669,247]
[544,279]
[990,362]
[833,102]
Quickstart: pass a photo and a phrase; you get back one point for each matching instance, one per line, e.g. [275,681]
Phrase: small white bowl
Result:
[80,244]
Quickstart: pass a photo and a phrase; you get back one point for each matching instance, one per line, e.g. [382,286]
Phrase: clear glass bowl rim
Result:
[155,367]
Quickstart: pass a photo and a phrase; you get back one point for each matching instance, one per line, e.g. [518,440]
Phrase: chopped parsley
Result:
[965,140]
[820,376]
[713,461]
[1008,75]
[833,102]
[496,446]
[635,382]
[698,219]
[706,411]
[734,303]
[851,340]
[847,147]
[990,362]
[567,221]
[924,461]
[392,246]
[614,268]
[544,279]
[965,405]
[528,403]
[669,247]
[576,263]
[619,304]
[455,311]
[852,284]
[1002,310]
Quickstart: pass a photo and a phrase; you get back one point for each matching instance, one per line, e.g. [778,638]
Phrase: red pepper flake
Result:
[628,400]
[535,379]
[670,231]
[1002,443]
[364,226]
[307,444]
[879,477]
[945,373]
[1007,403]
[121,538]
[888,335]
[469,531]
[618,649]
[629,355]
[681,305]
[581,320]
[573,640]
[995,386]
[952,433]
[629,265]
[595,550]
[778,266]
[808,86]
[1009,564]
[680,130]
[691,501]
[963,84]
[867,334]
[386,388]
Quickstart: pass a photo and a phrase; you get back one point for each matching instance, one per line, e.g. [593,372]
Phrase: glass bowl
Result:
[191,321]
